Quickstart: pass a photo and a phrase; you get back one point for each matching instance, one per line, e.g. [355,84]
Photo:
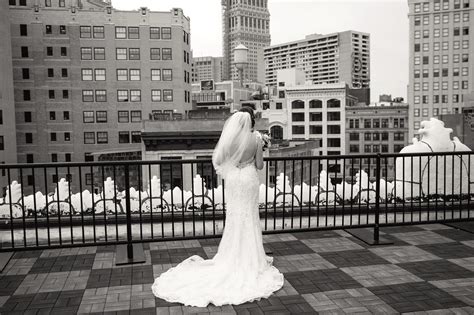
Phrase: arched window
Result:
[315,104]
[334,103]
[298,104]
[276,132]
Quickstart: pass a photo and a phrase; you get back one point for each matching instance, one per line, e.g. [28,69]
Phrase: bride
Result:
[240,271]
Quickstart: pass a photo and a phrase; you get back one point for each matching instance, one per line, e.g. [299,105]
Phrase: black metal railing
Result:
[96,203]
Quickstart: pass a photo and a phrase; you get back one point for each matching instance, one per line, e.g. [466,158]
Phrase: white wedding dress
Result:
[240,271]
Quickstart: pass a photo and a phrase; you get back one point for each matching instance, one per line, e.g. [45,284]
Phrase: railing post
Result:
[128,213]
[377,199]
[129,253]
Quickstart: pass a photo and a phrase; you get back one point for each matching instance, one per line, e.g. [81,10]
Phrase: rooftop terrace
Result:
[428,268]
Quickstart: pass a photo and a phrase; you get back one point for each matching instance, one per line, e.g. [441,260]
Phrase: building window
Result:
[168,95]
[24,52]
[134,53]
[384,136]
[23,30]
[99,53]
[101,116]
[166,33]
[136,115]
[99,32]
[86,74]
[465,85]
[334,142]
[166,54]
[155,54]
[65,94]
[333,116]
[134,74]
[28,137]
[51,94]
[120,32]
[123,116]
[133,33]
[26,95]
[122,74]
[25,73]
[27,116]
[122,95]
[124,137]
[100,96]
[154,33]
[88,117]
[53,136]
[85,32]
[354,148]
[64,73]
[87,96]
[62,29]
[135,95]
[155,74]
[167,74]
[136,137]
[99,74]
[465,30]
[86,53]
[50,72]
[102,137]
[89,138]
[121,53]
[156,95]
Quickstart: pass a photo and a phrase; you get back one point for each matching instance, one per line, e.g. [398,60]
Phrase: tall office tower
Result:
[441,54]
[86,75]
[332,58]
[245,22]
[7,103]
[207,68]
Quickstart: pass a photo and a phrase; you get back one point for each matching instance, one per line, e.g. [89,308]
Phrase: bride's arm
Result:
[259,156]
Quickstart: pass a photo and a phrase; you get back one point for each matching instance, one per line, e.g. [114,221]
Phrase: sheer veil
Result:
[235,138]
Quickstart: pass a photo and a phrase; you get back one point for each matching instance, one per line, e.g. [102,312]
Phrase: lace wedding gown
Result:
[240,271]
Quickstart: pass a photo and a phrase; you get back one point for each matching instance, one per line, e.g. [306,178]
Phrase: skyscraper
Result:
[440,62]
[206,68]
[331,58]
[245,22]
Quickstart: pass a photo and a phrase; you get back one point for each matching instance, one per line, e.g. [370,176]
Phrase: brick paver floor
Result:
[428,270]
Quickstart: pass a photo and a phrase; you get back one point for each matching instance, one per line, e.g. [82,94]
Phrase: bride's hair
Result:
[236,136]
[249,110]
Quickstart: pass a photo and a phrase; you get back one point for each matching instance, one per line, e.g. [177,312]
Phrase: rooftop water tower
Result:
[241,60]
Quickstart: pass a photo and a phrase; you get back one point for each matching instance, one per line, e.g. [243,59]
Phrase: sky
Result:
[385,20]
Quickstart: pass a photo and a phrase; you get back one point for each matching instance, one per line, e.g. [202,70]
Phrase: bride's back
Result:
[249,151]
